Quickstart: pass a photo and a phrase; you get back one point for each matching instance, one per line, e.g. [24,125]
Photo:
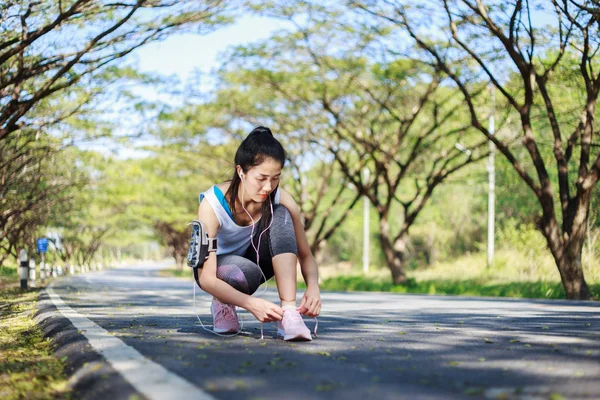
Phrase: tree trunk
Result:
[567,249]
[395,253]
[317,250]
[571,275]
[179,259]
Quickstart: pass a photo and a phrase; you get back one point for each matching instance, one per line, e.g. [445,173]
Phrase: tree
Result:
[386,113]
[320,189]
[46,47]
[523,61]
[57,60]
[35,181]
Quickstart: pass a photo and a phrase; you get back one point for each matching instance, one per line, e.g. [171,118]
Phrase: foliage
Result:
[532,67]
[37,183]
[48,47]
[328,81]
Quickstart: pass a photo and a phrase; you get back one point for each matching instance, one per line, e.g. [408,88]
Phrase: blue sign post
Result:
[42,245]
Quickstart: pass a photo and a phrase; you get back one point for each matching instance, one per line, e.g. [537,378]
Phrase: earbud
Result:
[241,177]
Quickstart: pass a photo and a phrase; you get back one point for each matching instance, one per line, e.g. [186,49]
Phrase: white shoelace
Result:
[314,332]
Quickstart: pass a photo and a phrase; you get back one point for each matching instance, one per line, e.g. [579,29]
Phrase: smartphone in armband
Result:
[200,245]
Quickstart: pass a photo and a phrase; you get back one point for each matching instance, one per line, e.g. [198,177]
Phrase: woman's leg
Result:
[278,254]
[239,272]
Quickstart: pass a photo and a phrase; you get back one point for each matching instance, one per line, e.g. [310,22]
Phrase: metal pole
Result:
[43,270]
[366,226]
[23,268]
[491,185]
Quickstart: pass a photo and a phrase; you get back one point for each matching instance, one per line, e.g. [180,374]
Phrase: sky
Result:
[180,55]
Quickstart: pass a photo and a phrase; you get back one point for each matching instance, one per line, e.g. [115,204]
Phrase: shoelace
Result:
[228,312]
[315,331]
[240,319]
[295,317]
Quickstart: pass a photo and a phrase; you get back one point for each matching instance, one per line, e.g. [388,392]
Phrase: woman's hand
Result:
[311,302]
[264,310]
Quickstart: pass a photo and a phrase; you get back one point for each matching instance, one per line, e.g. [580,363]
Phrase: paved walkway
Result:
[370,345]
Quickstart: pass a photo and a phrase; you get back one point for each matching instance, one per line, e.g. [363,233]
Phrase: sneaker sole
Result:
[298,337]
[221,330]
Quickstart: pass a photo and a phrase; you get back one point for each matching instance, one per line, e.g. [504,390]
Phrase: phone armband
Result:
[200,245]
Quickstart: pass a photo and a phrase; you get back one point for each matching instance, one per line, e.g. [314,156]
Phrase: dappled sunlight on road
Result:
[369,343]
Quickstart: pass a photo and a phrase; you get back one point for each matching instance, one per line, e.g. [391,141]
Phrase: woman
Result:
[260,235]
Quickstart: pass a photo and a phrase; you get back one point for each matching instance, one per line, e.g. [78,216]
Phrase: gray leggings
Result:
[242,272]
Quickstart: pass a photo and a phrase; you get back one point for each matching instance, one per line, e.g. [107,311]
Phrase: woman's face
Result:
[261,180]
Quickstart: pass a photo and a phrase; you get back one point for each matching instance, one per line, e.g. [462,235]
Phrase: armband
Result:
[200,245]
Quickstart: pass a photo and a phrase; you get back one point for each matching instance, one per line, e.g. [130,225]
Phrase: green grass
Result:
[173,272]
[9,279]
[28,366]
[8,272]
[466,287]
[512,275]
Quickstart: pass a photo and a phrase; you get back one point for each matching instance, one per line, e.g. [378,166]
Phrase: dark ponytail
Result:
[258,146]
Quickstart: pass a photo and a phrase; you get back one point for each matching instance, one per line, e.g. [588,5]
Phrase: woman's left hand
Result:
[311,302]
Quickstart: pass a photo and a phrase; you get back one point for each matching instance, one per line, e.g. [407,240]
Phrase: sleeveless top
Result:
[231,237]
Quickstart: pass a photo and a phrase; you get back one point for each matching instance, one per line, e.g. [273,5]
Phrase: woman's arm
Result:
[263,310]
[311,301]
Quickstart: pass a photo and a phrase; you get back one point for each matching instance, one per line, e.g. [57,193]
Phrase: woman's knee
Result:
[239,272]
[233,276]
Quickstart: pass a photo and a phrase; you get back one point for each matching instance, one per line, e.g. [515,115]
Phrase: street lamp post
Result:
[491,186]
[366,225]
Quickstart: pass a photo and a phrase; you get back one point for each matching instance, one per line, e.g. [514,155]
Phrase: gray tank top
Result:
[232,238]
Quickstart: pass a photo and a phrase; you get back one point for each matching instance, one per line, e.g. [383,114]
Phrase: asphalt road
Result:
[369,345]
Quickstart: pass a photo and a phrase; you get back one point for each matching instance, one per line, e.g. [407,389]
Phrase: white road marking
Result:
[146,376]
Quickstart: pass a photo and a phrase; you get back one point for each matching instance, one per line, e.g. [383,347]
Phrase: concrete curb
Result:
[89,375]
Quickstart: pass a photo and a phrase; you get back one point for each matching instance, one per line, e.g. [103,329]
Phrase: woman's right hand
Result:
[264,310]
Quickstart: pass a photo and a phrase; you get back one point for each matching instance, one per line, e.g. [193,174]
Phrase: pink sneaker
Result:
[225,318]
[292,327]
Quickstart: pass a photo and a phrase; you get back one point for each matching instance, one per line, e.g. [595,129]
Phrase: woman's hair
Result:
[258,146]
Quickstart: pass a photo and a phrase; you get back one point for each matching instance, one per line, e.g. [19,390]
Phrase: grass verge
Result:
[28,367]
[468,287]
[9,278]
[173,272]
